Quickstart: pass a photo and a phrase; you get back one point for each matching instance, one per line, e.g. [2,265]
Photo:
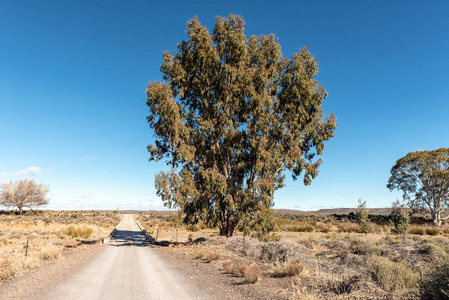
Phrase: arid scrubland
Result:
[322,256]
[48,234]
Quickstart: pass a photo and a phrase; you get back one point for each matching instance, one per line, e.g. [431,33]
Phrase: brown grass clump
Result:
[200,255]
[25,263]
[228,267]
[294,269]
[432,231]
[241,269]
[416,230]
[50,253]
[210,256]
[79,231]
[6,270]
[252,273]
[392,276]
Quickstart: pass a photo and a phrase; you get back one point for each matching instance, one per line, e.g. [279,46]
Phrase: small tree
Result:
[23,193]
[362,217]
[423,177]
[399,218]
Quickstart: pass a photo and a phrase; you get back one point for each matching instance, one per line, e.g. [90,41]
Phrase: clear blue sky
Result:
[73,76]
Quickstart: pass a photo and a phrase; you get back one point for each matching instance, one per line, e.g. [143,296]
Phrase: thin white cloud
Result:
[88,158]
[29,171]
[4,174]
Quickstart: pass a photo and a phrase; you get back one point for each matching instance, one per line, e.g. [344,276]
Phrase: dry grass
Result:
[392,276]
[50,252]
[252,273]
[79,231]
[293,269]
[211,256]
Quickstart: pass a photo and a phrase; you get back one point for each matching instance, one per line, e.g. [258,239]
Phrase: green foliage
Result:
[233,117]
[365,225]
[423,177]
[436,284]
[391,276]
[399,218]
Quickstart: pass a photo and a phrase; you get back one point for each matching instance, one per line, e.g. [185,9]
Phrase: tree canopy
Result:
[23,193]
[423,177]
[231,117]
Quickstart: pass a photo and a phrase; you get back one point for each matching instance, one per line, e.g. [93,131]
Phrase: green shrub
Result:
[399,218]
[436,283]
[365,225]
[391,276]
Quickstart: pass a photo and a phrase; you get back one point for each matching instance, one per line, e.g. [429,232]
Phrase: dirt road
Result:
[126,269]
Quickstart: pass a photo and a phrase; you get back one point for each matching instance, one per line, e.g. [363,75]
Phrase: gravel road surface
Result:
[126,269]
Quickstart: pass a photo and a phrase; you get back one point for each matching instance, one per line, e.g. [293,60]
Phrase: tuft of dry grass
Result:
[294,269]
[50,253]
[228,266]
[79,231]
[200,255]
[210,256]
[6,270]
[252,273]
[26,263]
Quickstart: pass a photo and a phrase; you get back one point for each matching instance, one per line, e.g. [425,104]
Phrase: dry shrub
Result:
[432,231]
[416,230]
[252,273]
[392,276]
[78,231]
[200,255]
[5,241]
[192,228]
[6,270]
[228,267]
[50,252]
[241,269]
[300,228]
[348,227]
[293,269]
[210,256]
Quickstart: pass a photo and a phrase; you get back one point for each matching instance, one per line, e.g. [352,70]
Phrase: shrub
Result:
[362,218]
[193,228]
[50,252]
[391,276]
[6,270]
[200,255]
[416,230]
[436,283]
[252,273]
[5,241]
[399,218]
[78,231]
[293,269]
[300,228]
[210,256]
[242,267]
[228,267]
[432,231]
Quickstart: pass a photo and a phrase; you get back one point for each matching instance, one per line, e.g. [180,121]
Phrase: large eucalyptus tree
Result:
[231,118]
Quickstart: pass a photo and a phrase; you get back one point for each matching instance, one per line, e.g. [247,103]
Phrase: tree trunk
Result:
[228,229]
[436,218]
[20,210]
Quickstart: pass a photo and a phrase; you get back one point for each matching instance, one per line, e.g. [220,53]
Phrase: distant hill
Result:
[373,211]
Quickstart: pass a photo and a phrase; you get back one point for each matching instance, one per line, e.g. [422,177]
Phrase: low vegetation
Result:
[28,240]
[325,256]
